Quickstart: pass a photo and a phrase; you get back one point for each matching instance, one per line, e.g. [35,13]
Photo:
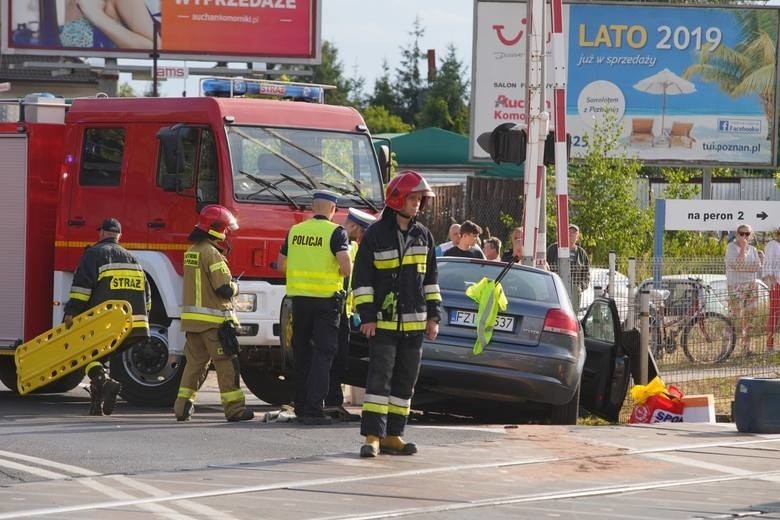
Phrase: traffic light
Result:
[549,148]
[506,143]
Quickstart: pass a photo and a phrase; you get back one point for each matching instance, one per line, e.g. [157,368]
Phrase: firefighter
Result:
[356,223]
[315,258]
[396,291]
[108,271]
[208,319]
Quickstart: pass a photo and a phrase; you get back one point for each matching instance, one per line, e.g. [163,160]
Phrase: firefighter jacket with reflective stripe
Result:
[312,268]
[349,304]
[394,280]
[205,270]
[108,271]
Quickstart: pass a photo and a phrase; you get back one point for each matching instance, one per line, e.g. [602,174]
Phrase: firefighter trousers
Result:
[393,367]
[201,349]
[315,340]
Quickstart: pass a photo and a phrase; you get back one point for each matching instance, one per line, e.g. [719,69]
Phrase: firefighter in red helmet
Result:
[207,317]
[396,293]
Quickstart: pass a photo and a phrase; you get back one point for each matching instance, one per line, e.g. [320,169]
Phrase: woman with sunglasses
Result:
[743,266]
[772,279]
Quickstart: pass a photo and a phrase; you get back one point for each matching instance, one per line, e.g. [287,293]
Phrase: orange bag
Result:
[656,403]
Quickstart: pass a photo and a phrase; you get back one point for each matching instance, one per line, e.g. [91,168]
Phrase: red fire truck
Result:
[153,163]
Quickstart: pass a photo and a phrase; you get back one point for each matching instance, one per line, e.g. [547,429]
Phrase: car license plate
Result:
[469,319]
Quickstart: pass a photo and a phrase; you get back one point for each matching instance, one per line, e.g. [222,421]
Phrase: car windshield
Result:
[517,283]
[283,165]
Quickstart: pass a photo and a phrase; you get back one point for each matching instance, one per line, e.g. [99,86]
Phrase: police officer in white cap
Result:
[315,258]
[356,223]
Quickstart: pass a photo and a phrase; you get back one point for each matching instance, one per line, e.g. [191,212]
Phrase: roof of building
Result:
[12,69]
[436,147]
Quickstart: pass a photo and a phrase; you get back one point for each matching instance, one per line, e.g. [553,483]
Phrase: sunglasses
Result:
[744,233]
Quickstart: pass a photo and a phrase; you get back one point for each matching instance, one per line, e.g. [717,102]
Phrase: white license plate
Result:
[469,319]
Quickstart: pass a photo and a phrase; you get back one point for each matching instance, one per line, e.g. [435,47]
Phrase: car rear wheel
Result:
[567,413]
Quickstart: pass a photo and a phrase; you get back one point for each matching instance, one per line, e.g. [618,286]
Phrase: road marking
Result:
[49,463]
[157,509]
[687,461]
[43,473]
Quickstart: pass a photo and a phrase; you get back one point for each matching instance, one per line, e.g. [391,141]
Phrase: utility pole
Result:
[154,55]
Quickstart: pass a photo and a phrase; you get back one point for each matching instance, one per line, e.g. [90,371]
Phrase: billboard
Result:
[688,84]
[282,31]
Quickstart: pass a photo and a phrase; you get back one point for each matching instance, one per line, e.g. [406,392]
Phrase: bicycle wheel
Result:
[710,338]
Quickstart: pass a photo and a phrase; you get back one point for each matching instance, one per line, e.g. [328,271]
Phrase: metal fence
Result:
[703,334]
[484,201]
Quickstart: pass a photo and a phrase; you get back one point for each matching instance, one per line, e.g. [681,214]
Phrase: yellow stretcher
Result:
[61,350]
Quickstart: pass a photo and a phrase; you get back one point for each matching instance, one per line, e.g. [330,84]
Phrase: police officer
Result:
[356,223]
[108,271]
[208,319]
[395,285]
[315,258]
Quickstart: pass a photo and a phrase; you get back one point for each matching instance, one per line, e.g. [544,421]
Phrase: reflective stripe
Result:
[397,401]
[417,250]
[414,260]
[377,399]
[198,292]
[398,410]
[187,393]
[432,293]
[386,264]
[80,297]
[431,288]
[413,326]
[207,315]
[385,255]
[120,266]
[362,291]
[219,266]
[376,408]
[86,291]
[231,397]
[92,365]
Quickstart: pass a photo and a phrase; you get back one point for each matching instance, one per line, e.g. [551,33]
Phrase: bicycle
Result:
[678,315]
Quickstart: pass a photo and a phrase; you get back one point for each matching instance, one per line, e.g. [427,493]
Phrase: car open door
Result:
[607,368]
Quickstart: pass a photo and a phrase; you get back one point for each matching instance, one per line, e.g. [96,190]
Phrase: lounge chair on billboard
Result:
[680,135]
[641,131]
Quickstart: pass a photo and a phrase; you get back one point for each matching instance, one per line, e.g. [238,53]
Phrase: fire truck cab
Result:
[153,163]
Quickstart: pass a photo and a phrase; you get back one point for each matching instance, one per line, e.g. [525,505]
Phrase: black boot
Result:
[96,398]
[103,391]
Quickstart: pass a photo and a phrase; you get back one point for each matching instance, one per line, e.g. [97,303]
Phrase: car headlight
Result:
[245,302]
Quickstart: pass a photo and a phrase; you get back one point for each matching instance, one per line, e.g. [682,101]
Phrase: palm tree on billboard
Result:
[749,67]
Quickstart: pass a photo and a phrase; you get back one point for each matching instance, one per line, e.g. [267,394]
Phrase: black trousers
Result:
[315,324]
[393,367]
[338,368]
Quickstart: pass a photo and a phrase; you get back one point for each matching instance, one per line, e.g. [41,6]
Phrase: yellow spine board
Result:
[60,351]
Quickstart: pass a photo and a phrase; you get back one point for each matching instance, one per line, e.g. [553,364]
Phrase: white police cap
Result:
[326,195]
[361,218]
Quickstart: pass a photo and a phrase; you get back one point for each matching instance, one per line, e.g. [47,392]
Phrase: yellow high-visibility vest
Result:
[312,268]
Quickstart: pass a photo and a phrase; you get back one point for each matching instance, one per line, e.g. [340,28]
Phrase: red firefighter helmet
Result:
[216,220]
[406,182]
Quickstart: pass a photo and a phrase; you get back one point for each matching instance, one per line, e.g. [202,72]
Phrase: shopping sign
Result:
[639,65]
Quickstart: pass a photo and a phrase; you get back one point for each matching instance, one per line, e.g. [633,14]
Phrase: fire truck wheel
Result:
[267,386]
[8,373]
[62,385]
[149,374]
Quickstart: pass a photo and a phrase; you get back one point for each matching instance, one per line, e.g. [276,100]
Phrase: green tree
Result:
[331,72]
[126,90]
[380,120]
[603,199]
[384,95]
[445,103]
[749,67]
[408,84]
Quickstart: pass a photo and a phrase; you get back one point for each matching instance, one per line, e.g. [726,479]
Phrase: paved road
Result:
[56,463]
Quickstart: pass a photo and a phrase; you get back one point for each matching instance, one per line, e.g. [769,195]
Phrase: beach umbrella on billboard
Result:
[666,83]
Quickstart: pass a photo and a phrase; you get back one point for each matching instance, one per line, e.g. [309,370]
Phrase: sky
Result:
[367,31]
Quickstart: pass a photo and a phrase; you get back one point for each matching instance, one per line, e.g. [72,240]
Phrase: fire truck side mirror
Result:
[172,156]
[549,148]
[385,159]
[506,143]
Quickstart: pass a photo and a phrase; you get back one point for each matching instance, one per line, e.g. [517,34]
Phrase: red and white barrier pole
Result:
[560,65]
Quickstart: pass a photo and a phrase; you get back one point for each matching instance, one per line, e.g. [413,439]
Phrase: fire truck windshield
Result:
[284,166]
